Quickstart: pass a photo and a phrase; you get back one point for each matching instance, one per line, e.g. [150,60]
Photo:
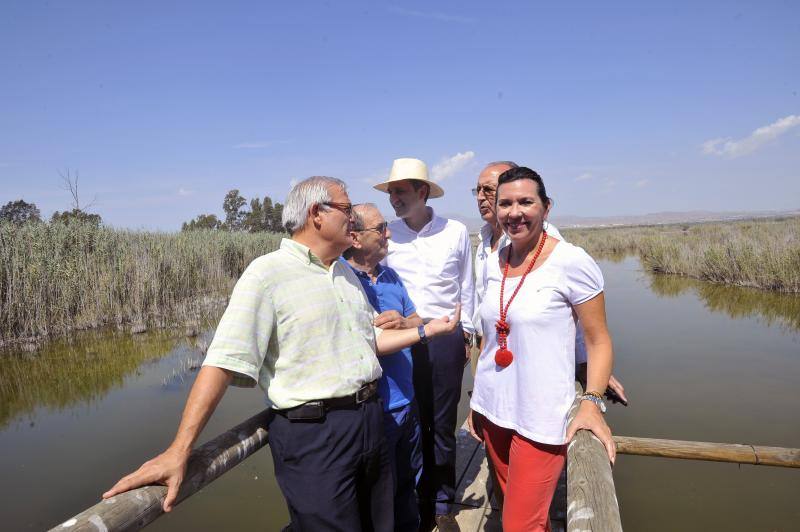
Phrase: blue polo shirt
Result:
[396,386]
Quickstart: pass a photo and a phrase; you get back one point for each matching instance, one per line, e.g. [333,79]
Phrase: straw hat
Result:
[408,168]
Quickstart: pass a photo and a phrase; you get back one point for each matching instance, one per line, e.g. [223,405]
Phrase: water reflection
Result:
[65,373]
[771,308]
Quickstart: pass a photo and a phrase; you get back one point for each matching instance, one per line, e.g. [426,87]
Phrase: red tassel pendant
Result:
[503,357]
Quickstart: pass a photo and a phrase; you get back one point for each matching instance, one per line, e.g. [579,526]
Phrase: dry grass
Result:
[56,278]
[756,253]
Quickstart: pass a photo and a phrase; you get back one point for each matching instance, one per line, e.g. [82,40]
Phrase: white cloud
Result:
[641,183]
[185,192]
[442,17]
[757,139]
[584,177]
[451,165]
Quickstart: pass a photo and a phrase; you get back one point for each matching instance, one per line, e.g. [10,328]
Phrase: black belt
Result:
[316,409]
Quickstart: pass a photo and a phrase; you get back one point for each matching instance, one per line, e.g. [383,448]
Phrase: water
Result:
[699,362]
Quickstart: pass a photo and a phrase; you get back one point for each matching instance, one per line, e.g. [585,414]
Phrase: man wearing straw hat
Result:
[300,326]
[433,257]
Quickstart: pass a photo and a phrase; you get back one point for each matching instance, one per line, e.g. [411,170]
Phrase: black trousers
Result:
[438,370]
[335,473]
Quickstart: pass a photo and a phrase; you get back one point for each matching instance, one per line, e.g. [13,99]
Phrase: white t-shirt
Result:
[533,395]
[482,254]
[484,249]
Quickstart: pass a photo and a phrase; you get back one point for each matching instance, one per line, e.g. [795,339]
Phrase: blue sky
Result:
[624,108]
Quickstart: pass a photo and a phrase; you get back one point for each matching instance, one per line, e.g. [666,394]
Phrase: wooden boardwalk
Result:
[475,507]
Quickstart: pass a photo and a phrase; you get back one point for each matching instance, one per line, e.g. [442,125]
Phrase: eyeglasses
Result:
[346,208]
[487,190]
[380,228]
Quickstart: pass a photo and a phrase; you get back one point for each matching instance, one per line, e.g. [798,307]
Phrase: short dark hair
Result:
[416,183]
[523,172]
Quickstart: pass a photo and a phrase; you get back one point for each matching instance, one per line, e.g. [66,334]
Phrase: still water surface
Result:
[699,362]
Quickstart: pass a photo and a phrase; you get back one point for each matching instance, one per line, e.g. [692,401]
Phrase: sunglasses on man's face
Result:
[486,189]
[380,228]
[346,208]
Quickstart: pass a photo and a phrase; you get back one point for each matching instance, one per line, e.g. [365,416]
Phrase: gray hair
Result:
[304,195]
[510,164]
[359,210]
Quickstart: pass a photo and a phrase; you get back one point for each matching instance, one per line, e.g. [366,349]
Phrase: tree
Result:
[20,212]
[76,215]
[78,212]
[276,224]
[268,213]
[203,221]
[254,220]
[232,205]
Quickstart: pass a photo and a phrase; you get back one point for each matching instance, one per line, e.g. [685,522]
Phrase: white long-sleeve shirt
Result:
[435,265]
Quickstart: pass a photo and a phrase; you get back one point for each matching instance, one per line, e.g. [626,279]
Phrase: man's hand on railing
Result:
[590,418]
[167,469]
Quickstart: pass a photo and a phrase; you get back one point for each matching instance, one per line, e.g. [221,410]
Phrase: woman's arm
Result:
[600,353]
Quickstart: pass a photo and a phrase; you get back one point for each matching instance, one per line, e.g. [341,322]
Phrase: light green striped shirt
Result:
[300,330]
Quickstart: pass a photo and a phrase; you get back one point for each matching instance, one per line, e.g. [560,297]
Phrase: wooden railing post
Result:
[137,508]
[591,496]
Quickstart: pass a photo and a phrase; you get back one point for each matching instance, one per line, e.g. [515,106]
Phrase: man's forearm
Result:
[393,340]
[208,389]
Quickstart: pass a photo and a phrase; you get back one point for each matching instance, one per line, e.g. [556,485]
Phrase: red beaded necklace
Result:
[503,357]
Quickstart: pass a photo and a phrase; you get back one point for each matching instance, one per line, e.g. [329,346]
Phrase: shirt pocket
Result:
[444,260]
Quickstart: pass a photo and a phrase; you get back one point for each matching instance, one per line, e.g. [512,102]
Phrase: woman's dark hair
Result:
[523,172]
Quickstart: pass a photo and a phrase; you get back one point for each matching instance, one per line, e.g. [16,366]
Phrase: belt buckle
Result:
[365,392]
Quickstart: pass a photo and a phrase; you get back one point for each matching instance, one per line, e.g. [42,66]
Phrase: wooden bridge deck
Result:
[475,507]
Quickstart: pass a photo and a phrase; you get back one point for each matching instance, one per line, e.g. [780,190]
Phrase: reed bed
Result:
[56,278]
[762,254]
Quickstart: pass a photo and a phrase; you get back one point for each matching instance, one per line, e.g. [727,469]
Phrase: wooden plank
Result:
[715,452]
[591,496]
[137,508]
[473,503]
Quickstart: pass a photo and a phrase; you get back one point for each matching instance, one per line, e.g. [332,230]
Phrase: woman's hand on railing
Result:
[590,418]
[167,469]
[474,425]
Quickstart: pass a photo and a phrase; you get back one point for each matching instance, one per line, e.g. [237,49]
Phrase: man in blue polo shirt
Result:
[388,296]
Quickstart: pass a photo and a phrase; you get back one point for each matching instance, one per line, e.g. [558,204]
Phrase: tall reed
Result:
[55,278]
[757,253]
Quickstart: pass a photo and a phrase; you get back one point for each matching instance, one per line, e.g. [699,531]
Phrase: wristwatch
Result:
[423,339]
[596,400]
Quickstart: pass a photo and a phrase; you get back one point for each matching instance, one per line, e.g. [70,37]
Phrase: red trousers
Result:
[526,473]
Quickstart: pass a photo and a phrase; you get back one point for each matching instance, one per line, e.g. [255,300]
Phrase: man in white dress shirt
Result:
[491,238]
[433,257]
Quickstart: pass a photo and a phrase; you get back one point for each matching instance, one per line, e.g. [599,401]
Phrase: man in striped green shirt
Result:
[299,324]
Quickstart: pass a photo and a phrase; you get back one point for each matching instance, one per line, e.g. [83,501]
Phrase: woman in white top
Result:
[537,287]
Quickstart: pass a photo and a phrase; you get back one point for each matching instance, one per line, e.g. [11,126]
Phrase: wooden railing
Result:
[591,495]
[137,508]
[590,499]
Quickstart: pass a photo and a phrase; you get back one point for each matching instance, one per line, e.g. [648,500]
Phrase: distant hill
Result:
[657,218]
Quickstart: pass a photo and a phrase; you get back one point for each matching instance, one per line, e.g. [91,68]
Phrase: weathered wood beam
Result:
[137,508]
[591,495]
[715,452]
